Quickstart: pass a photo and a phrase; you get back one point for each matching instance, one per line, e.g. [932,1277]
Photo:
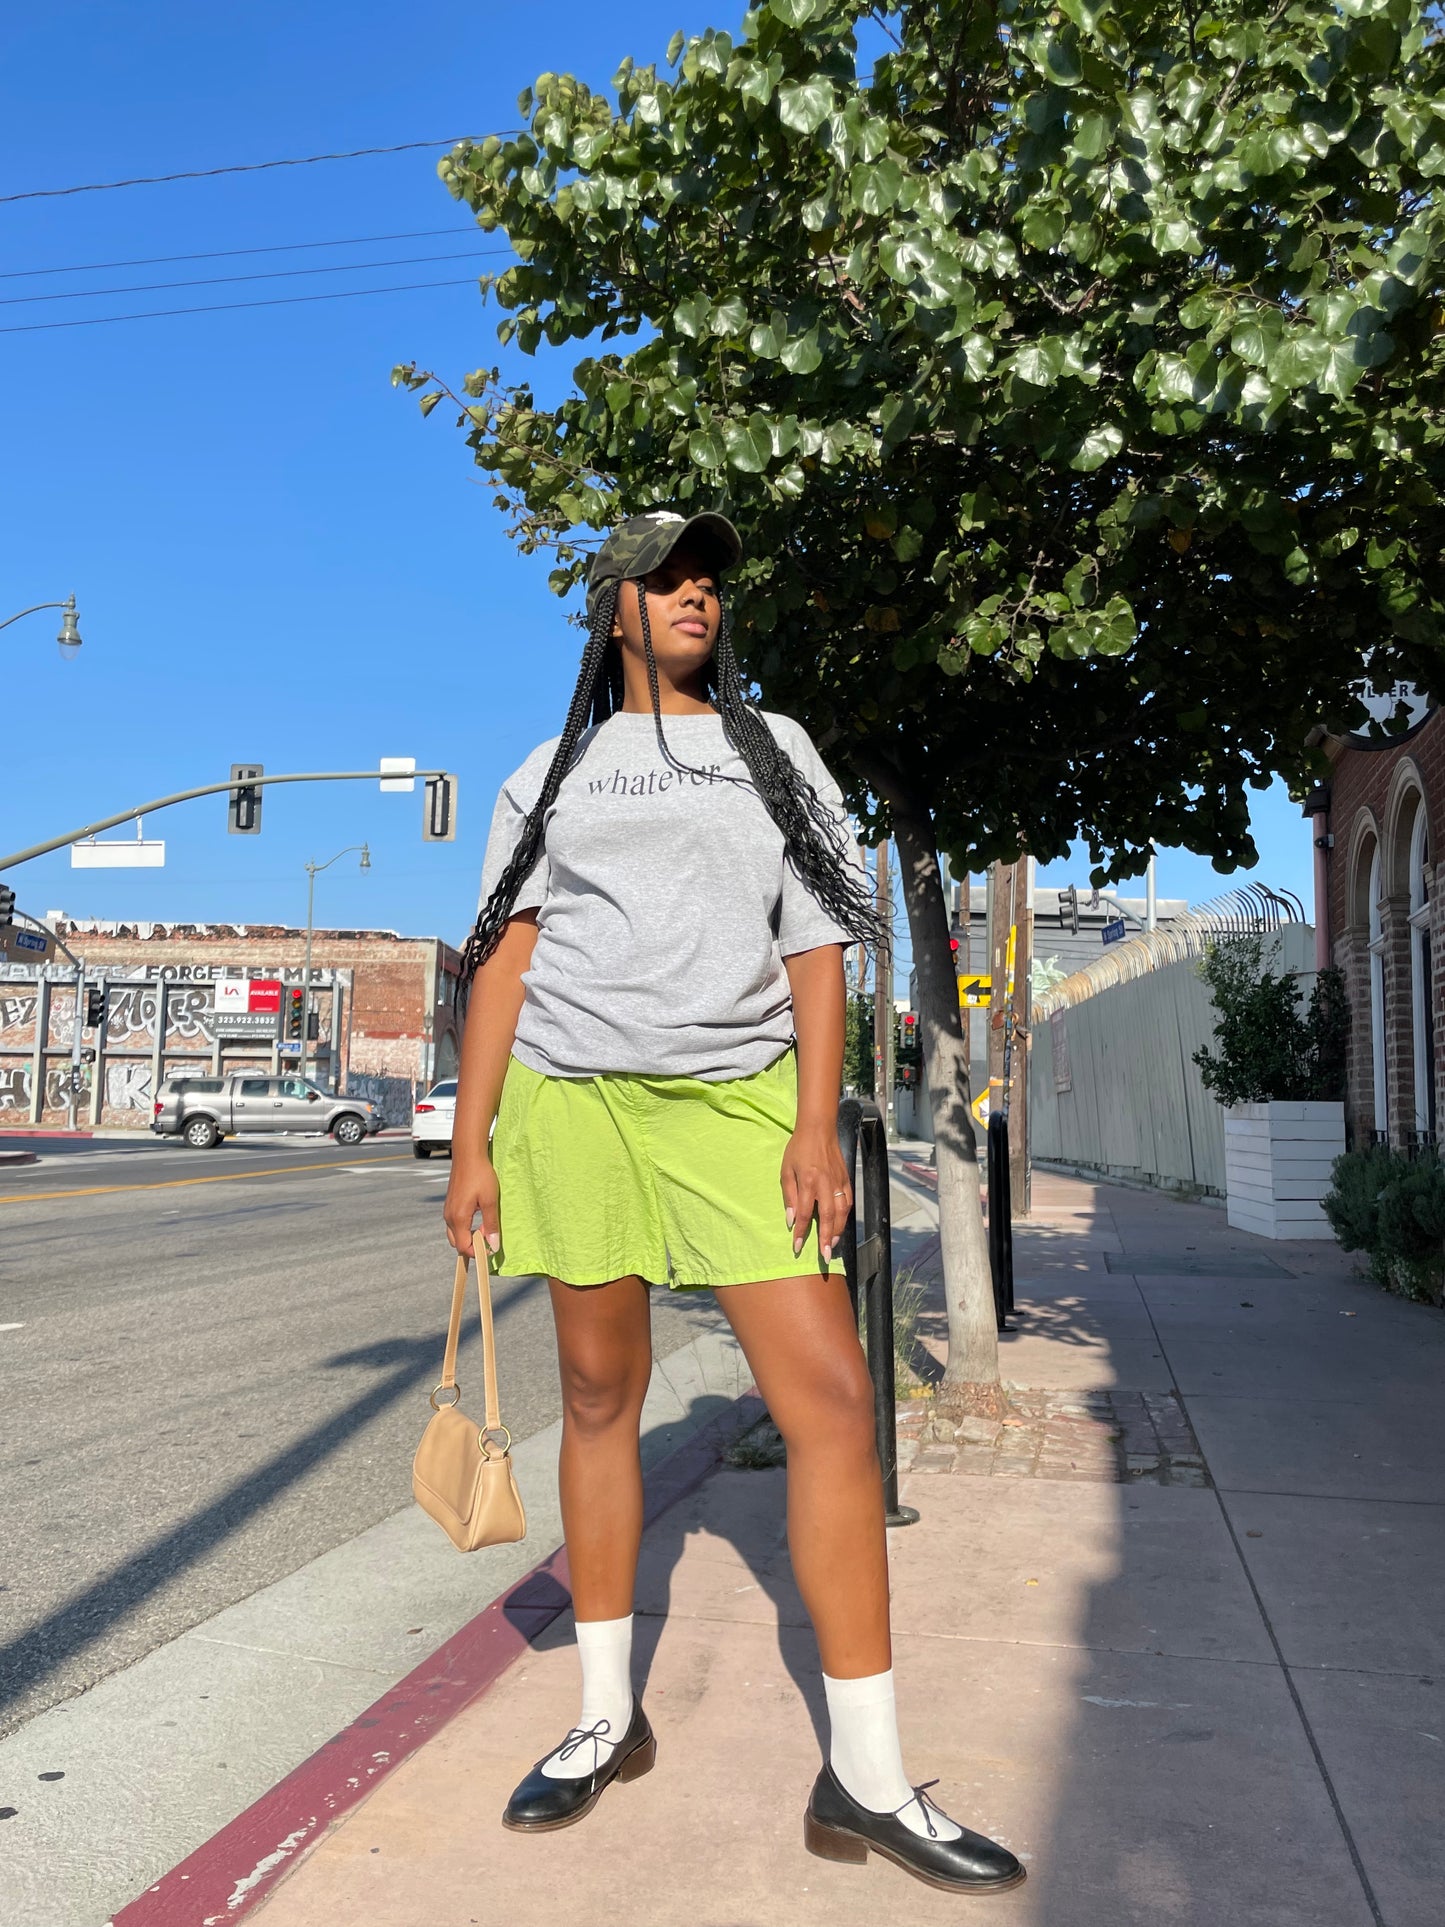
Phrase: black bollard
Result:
[868,1267]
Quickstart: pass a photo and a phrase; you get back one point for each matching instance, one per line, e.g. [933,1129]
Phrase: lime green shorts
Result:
[670,1178]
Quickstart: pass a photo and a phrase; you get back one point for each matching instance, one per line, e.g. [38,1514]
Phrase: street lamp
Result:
[69,637]
[313,870]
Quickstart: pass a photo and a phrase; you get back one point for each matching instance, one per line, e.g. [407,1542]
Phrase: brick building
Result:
[385,1010]
[1377,825]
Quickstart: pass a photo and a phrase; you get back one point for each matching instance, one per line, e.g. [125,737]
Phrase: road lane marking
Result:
[12,1328]
[172,1184]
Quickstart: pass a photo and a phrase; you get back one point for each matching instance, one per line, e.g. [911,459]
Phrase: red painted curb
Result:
[238,1867]
[36,1130]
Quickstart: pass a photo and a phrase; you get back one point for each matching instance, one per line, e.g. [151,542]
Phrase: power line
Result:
[230,254]
[222,307]
[217,280]
[210,173]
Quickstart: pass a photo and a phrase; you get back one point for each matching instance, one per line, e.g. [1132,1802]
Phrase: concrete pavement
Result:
[1196,1701]
[213,1374]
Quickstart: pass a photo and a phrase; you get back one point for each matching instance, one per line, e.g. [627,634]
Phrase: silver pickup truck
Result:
[203,1110]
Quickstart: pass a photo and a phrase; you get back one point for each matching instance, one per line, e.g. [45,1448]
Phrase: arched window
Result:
[1377,992]
[1422,1016]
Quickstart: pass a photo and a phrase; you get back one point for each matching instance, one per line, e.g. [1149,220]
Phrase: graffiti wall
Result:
[393,1095]
[127,1058]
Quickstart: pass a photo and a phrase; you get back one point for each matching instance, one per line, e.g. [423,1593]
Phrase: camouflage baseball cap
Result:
[644,542]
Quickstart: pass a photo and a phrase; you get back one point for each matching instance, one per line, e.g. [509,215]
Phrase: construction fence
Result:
[1113,1086]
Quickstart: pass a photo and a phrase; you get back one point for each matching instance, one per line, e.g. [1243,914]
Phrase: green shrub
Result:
[1412,1213]
[1267,1050]
[1359,1180]
[1328,1025]
[1392,1208]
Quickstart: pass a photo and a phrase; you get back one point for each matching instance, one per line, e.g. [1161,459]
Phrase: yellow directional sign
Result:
[975,989]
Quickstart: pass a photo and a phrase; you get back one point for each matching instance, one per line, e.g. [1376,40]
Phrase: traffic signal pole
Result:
[440,805]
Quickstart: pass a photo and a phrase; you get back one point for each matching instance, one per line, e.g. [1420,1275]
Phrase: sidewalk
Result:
[1173,1632]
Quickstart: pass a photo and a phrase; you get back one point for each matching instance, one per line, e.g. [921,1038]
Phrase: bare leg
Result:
[604,1346]
[802,1344]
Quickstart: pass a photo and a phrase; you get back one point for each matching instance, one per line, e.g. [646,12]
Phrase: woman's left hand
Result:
[815,1179]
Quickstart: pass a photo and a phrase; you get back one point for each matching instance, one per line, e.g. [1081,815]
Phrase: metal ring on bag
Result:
[455,1399]
[484,1439]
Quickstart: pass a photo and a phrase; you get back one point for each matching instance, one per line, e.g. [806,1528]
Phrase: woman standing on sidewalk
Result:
[656,1026]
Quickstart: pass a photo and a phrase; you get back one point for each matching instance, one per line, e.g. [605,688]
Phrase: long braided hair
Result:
[814,845]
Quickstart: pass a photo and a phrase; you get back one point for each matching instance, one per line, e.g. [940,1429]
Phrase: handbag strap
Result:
[489,1347]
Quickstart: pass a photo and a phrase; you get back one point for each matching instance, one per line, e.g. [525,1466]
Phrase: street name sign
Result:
[130,853]
[26,943]
[1115,932]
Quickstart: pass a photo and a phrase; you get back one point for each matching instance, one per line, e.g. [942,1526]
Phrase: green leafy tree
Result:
[1073,372]
[858,1067]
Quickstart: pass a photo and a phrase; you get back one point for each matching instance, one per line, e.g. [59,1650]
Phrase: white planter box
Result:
[1277,1160]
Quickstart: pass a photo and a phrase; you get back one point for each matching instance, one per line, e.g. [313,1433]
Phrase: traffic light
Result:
[94,1006]
[243,815]
[1069,908]
[439,819]
[7,906]
[909,1054]
[293,1011]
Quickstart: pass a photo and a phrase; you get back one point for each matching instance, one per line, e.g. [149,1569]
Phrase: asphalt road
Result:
[213,1367]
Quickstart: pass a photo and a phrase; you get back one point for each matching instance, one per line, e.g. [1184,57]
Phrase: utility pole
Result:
[883,995]
[965,958]
[1011,949]
[1021,1167]
[313,870]
[1000,922]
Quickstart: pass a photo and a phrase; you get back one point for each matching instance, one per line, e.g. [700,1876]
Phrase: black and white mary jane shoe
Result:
[541,1804]
[836,1827]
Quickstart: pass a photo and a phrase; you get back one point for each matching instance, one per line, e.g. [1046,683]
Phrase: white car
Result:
[431,1121]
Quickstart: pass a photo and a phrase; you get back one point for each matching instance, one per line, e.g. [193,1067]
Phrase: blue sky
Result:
[275,559]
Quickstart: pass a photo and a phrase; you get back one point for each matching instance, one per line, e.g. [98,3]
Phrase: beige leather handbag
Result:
[462,1472]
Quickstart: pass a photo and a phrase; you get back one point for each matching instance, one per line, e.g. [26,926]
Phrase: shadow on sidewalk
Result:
[85,1617]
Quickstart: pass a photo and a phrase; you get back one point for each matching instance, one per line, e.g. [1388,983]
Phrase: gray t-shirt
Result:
[665,903]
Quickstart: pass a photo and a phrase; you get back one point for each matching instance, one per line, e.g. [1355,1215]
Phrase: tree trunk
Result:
[971,1380]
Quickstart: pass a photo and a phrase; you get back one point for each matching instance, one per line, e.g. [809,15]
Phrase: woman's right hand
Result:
[473,1190]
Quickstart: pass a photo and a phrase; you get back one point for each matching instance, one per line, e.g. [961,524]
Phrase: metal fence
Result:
[1113,1086]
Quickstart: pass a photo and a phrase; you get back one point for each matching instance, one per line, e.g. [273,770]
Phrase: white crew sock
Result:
[605,1648]
[865,1754]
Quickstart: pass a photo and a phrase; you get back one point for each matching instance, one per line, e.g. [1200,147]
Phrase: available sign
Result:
[248,994]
